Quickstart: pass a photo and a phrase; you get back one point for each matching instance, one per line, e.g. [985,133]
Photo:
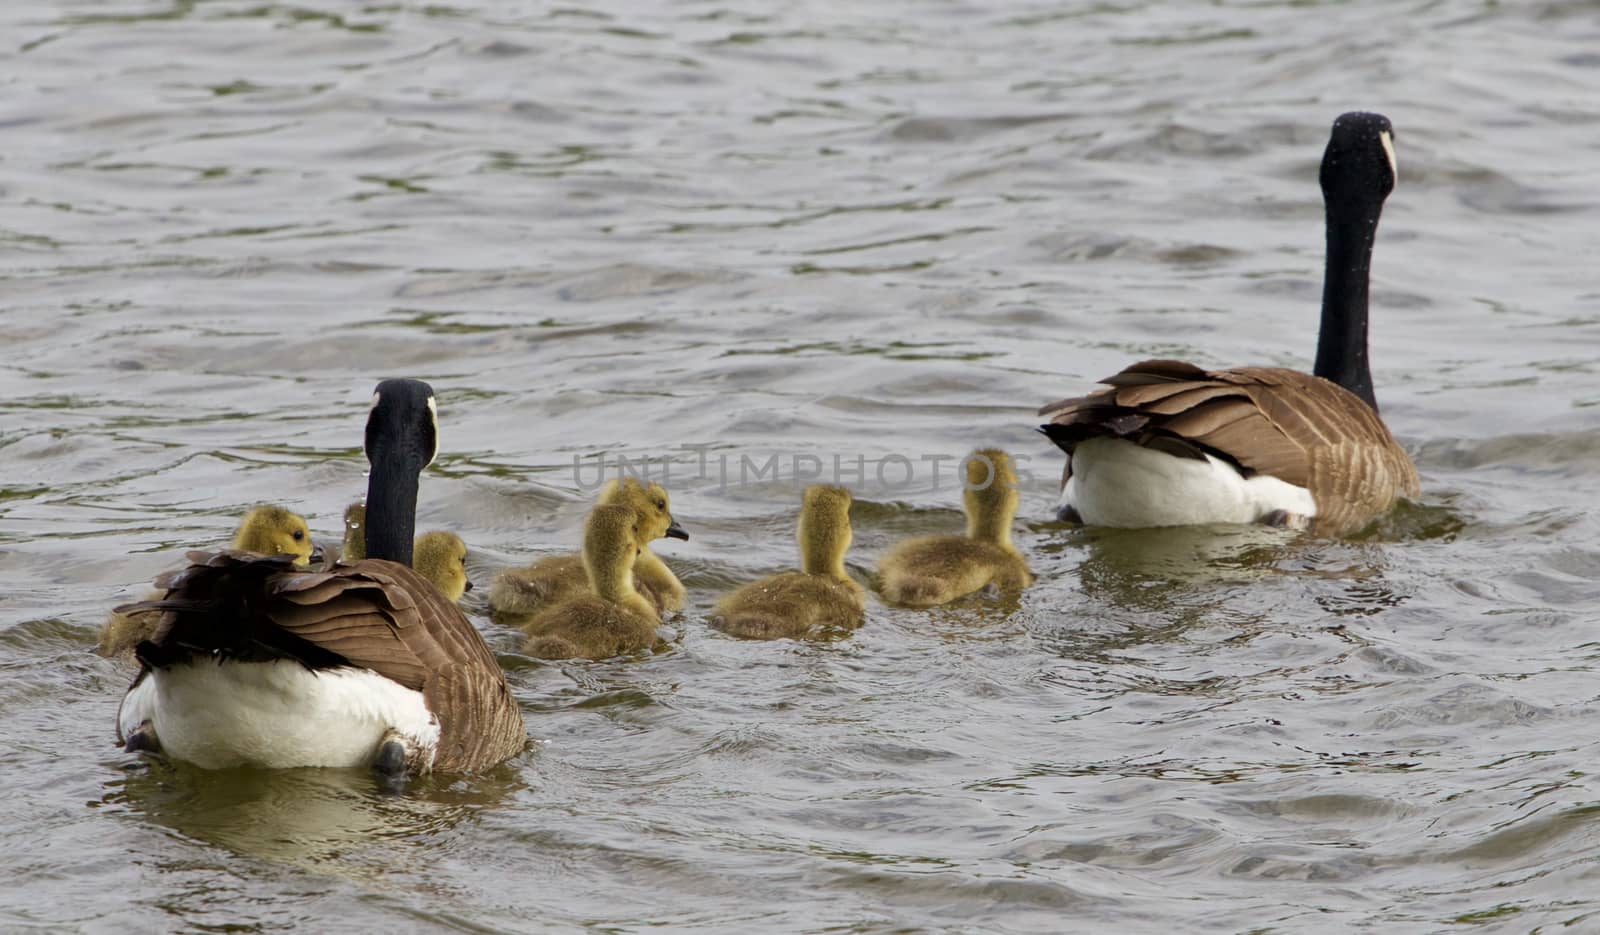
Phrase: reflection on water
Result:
[330,821]
[1134,566]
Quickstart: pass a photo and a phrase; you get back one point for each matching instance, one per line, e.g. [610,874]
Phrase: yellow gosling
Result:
[615,618]
[818,598]
[517,594]
[939,569]
[354,546]
[268,530]
[441,558]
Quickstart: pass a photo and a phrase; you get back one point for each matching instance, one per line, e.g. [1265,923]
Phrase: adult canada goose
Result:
[268,530]
[1171,444]
[256,663]
[938,569]
[517,594]
[821,596]
[611,618]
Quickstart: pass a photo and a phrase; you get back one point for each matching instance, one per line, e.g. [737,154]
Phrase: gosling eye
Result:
[298,535]
[661,504]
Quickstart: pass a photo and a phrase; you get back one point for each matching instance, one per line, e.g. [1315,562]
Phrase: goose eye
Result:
[661,504]
[298,535]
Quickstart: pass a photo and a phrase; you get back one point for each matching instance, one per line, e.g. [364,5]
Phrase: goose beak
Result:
[468,586]
[676,532]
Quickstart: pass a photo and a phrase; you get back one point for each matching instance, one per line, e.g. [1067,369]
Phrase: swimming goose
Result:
[257,663]
[1171,444]
[517,594]
[268,530]
[612,618]
[938,569]
[821,596]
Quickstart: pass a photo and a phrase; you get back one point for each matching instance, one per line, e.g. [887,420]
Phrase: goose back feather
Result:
[1299,428]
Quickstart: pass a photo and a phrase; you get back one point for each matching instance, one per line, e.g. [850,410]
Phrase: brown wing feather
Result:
[370,614]
[487,728]
[1294,426]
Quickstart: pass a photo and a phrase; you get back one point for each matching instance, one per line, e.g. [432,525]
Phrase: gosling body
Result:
[354,546]
[612,618]
[820,598]
[517,595]
[933,570]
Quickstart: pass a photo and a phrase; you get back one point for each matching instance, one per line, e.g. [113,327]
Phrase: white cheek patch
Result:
[1387,139]
[375,398]
[433,414]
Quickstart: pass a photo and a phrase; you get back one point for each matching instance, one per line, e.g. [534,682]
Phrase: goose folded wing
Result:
[1240,416]
[380,616]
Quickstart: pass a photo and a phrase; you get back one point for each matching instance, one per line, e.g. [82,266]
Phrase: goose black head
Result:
[402,438]
[403,424]
[1359,163]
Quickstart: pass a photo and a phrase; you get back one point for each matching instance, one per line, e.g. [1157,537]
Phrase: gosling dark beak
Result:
[676,532]
[468,587]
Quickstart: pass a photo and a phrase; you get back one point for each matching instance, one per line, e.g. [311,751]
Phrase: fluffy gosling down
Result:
[354,546]
[935,570]
[441,557]
[615,618]
[267,530]
[517,594]
[818,598]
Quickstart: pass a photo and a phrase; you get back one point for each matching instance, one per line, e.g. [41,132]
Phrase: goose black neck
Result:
[1358,173]
[392,509]
[1342,338]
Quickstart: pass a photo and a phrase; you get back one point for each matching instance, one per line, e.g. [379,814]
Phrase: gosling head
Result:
[824,530]
[650,502]
[610,544]
[273,530]
[990,495]
[441,557]
[354,548]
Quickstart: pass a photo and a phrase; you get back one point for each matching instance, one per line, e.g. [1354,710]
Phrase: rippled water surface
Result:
[734,230]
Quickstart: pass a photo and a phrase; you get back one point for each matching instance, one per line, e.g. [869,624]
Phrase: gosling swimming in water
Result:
[267,530]
[935,570]
[441,557]
[517,594]
[615,618]
[819,597]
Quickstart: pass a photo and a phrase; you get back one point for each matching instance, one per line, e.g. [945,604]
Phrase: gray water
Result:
[874,231]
